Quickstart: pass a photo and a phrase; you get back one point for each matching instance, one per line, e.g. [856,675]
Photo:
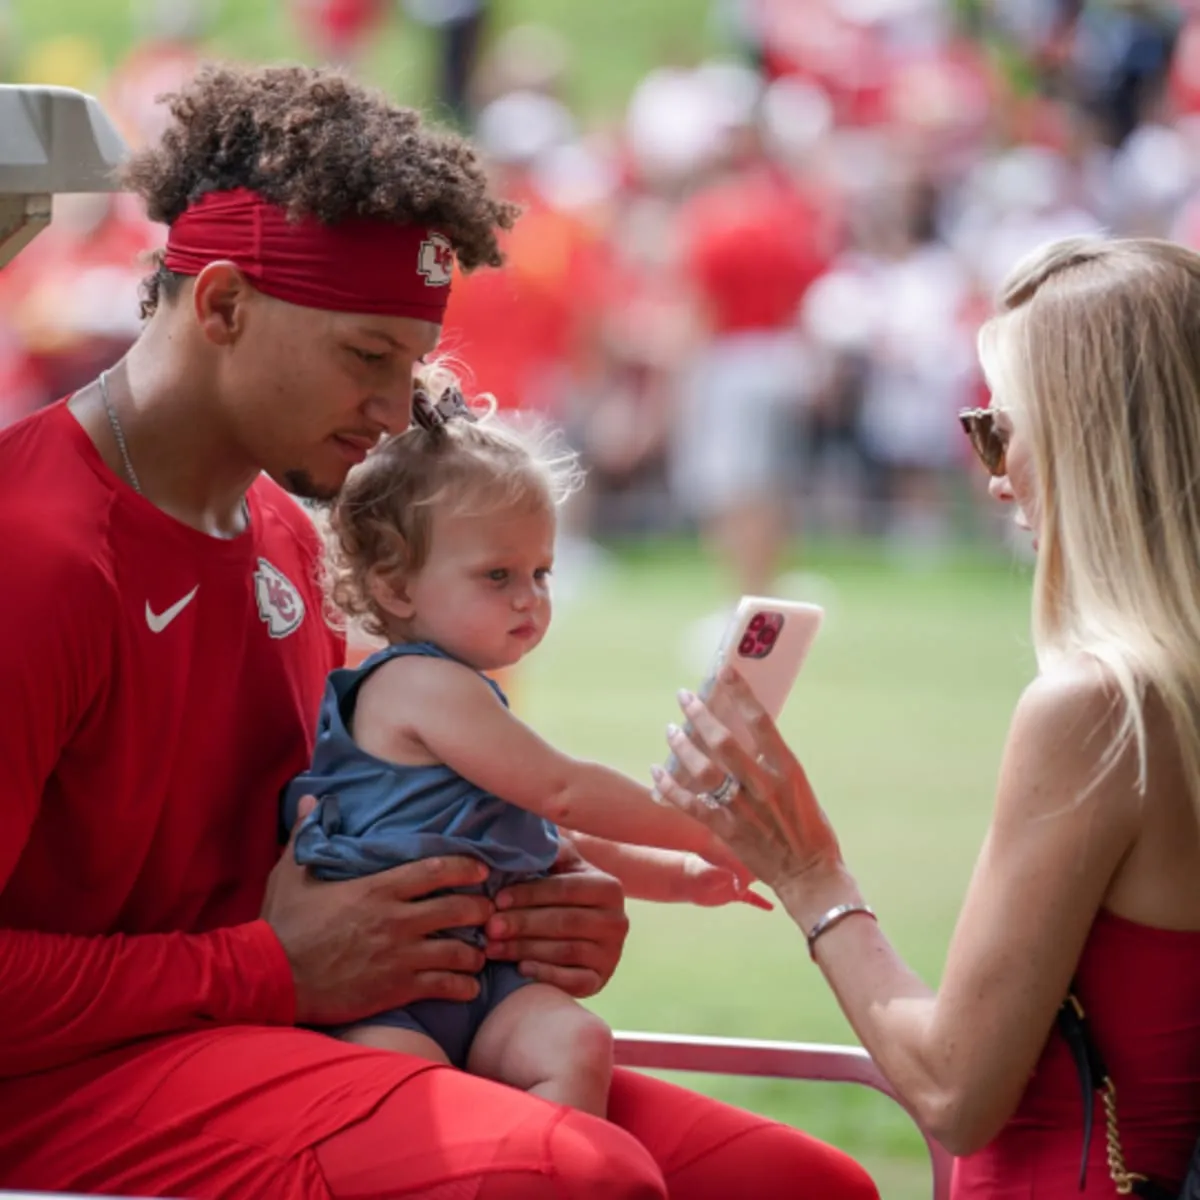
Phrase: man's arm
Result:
[62,997]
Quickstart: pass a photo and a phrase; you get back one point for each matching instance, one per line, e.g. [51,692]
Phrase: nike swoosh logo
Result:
[159,621]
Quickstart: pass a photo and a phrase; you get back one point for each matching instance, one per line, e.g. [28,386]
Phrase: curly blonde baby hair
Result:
[380,525]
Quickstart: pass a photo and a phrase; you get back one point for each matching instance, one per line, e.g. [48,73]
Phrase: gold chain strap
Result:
[1121,1176]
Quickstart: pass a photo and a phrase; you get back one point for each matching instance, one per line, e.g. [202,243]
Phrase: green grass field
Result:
[613,44]
[899,717]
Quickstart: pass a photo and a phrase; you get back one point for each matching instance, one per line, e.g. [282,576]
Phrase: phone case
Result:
[767,641]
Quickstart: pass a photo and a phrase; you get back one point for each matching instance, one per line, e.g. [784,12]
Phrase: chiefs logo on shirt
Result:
[436,260]
[280,605]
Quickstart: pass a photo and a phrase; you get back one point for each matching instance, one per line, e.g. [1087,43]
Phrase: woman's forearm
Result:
[895,1015]
[962,1059]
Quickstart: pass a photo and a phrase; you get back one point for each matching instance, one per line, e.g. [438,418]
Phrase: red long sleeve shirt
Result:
[162,687]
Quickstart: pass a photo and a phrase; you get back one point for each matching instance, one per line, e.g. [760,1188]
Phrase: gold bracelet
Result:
[835,916]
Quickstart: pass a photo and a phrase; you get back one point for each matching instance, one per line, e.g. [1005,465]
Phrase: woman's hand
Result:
[771,821]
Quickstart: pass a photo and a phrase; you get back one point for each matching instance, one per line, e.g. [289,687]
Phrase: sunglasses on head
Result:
[990,444]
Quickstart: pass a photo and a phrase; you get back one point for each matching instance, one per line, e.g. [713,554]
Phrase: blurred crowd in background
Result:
[751,297]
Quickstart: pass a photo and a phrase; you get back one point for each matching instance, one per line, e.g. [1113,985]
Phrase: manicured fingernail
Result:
[673,730]
[657,773]
[685,697]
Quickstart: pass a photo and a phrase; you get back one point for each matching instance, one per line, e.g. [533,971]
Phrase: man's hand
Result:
[567,930]
[361,947]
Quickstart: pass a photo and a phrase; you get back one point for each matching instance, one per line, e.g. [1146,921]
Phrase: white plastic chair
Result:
[776,1060]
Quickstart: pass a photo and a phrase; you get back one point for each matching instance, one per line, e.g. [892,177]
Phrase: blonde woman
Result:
[1088,882]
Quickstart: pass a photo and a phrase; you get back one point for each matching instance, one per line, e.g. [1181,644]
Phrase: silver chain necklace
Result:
[118,433]
[126,462]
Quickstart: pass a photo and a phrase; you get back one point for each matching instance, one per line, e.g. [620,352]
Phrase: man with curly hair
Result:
[162,643]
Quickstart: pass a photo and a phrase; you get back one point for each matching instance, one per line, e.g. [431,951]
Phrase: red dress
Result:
[1140,987]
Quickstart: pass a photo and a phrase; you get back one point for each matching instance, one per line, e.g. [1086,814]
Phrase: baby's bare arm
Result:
[459,721]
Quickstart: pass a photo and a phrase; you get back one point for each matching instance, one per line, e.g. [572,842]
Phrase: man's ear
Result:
[390,593]
[219,297]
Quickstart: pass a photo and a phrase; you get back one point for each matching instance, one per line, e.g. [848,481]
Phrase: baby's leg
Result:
[540,1040]
[399,1041]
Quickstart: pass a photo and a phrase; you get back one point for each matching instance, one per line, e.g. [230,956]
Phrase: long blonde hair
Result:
[1097,346]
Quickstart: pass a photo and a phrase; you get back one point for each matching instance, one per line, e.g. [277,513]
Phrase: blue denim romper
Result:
[372,814]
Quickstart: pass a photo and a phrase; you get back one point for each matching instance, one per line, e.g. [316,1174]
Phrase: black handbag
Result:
[1093,1078]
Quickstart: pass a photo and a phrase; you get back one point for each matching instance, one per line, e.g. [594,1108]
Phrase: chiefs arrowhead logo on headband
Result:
[435,260]
[358,265]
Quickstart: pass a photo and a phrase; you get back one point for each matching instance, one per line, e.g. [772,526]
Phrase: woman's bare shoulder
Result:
[1067,692]
[1068,744]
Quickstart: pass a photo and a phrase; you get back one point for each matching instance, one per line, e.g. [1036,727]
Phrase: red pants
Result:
[243,1112]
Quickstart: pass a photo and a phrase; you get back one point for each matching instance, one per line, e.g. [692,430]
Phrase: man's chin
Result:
[302,484]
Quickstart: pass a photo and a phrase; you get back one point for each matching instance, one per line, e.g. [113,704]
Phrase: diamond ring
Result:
[721,793]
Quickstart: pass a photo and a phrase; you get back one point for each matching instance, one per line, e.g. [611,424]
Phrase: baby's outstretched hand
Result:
[711,886]
[674,876]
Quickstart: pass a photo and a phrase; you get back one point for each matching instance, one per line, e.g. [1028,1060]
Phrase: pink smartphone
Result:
[767,642]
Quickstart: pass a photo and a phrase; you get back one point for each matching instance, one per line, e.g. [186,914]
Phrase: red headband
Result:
[359,265]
